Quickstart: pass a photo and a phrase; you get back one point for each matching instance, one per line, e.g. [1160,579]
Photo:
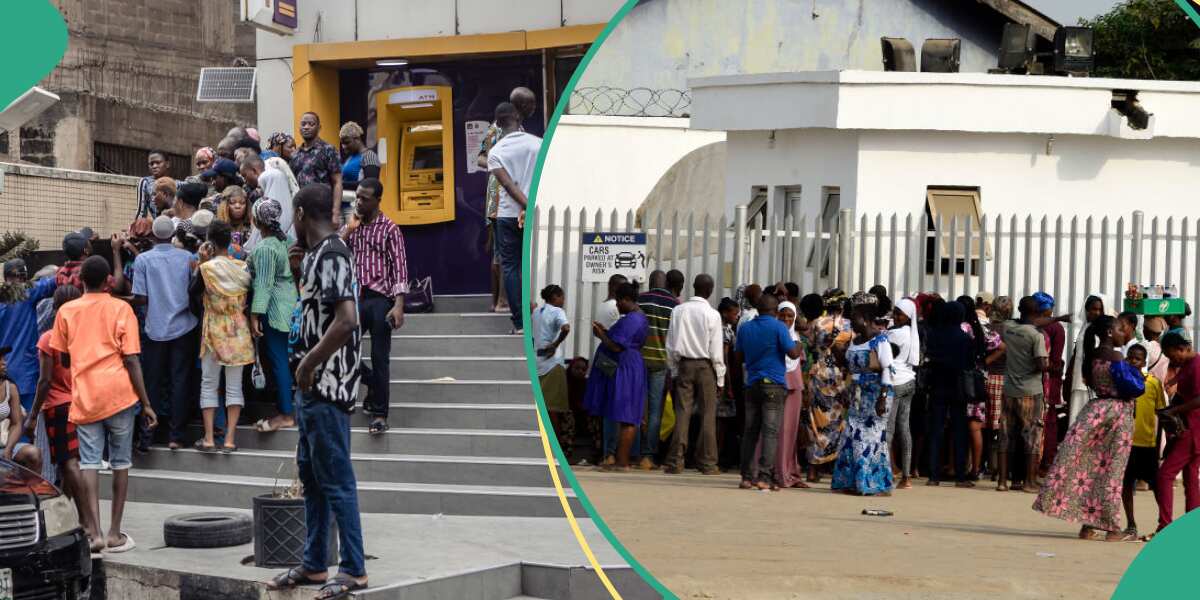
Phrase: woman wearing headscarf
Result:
[787,467]
[951,354]
[1084,484]
[827,386]
[863,464]
[271,307]
[1093,308]
[204,159]
[280,145]
[906,341]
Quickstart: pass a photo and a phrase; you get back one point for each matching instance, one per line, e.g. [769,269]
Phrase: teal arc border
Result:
[561,108]
[1191,8]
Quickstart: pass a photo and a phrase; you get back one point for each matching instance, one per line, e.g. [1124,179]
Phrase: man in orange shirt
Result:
[97,336]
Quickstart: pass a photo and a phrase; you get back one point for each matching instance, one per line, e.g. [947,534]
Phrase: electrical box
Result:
[416,148]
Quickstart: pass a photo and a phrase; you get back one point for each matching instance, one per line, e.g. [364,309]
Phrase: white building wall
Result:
[613,162]
[811,159]
[1080,175]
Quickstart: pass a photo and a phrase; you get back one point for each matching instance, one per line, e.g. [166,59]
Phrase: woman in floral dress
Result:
[826,387]
[1084,484]
[864,464]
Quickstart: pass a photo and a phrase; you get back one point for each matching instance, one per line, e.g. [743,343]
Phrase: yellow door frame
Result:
[315,67]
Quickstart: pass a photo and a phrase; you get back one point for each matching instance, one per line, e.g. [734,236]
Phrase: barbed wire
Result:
[632,102]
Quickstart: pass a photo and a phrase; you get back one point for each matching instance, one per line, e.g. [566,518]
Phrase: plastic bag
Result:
[668,419]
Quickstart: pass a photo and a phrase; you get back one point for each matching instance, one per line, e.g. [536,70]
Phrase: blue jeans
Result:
[115,433]
[656,381]
[509,243]
[323,457]
[275,353]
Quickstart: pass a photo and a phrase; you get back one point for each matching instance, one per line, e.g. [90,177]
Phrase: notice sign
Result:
[475,132]
[608,254]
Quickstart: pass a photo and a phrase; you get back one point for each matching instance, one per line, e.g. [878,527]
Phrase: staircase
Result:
[463,441]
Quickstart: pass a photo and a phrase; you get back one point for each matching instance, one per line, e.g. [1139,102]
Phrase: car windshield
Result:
[17,483]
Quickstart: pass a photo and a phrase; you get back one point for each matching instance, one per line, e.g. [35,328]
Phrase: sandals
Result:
[125,546]
[745,485]
[228,449]
[378,426]
[339,587]
[200,446]
[293,577]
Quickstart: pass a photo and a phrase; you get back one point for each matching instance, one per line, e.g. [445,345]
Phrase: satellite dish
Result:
[26,107]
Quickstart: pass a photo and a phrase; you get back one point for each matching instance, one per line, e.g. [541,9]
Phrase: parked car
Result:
[44,553]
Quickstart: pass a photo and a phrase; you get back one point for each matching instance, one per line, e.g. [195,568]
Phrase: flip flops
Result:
[125,547]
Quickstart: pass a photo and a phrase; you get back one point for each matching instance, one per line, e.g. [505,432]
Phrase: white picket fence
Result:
[1069,257]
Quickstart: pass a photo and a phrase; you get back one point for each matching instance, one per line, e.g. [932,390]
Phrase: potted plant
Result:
[279,527]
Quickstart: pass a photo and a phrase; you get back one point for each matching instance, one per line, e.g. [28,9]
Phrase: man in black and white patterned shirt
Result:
[326,355]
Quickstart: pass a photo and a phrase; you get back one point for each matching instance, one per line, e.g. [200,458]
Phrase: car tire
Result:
[208,530]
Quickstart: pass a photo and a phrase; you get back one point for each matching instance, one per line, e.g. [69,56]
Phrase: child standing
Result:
[550,329]
[1143,457]
[225,342]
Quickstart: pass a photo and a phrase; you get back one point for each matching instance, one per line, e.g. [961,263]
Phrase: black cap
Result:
[74,244]
[223,166]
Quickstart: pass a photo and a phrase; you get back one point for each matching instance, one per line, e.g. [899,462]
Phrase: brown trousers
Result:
[695,383]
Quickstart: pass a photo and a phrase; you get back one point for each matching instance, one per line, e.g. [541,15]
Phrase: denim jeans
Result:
[509,243]
[114,434]
[764,408]
[372,315]
[275,354]
[656,381]
[169,368]
[330,489]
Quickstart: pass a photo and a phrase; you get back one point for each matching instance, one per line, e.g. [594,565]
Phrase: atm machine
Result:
[416,149]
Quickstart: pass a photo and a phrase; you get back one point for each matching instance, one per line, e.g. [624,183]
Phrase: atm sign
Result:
[411,96]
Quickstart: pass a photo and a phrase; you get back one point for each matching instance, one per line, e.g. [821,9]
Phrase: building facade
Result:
[128,84]
[478,49]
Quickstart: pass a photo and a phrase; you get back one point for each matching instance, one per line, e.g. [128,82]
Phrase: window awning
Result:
[958,210]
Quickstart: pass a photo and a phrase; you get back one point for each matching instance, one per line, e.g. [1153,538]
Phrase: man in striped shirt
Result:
[382,271]
[656,304]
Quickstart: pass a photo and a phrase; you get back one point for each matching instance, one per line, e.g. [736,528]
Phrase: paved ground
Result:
[704,538]
[407,548]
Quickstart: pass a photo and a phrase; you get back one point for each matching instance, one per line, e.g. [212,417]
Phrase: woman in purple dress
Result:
[616,388]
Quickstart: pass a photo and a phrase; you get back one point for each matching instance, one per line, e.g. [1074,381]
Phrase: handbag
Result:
[257,377]
[606,364]
[1128,381]
[419,298]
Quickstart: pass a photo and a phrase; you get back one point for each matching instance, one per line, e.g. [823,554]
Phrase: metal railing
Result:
[1069,257]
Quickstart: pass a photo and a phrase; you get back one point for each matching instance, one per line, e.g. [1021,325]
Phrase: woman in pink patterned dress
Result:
[1084,484]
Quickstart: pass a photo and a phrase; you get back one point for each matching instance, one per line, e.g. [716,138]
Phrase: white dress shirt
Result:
[696,332]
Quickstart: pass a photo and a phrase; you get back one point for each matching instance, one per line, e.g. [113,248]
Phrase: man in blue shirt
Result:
[762,345]
[19,330]
[160,282]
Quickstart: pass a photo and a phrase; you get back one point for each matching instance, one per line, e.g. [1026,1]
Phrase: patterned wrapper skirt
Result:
[1084,485]
[995,399]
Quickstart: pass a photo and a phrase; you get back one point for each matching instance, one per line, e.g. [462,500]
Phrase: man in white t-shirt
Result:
[512,161]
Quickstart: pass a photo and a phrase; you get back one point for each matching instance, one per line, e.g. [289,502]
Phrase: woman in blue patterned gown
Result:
[863,464]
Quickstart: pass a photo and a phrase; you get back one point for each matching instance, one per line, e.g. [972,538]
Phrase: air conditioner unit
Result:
[275,16]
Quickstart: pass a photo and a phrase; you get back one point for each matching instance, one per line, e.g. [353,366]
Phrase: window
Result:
[953,205]
[826,224]
[127,160]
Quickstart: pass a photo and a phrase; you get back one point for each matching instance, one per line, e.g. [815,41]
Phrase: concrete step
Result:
[430,415]
[453,391]
[394,468]
[234,491]
[506,368]
[456,324]
[453,345]
[462,303]
[409,440]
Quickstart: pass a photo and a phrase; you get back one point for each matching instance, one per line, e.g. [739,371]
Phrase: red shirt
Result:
[68,274]
[1188,388]
[379,260]
[60,376]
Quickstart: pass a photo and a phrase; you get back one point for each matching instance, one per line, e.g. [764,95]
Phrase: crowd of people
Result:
[252,279]
[876,393]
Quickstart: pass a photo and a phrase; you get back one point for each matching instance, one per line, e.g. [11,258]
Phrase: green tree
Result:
[1146,39]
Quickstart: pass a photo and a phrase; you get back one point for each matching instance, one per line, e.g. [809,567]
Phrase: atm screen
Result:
[427,157]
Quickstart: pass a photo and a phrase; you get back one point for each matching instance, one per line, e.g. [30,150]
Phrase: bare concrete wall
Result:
[129,77]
